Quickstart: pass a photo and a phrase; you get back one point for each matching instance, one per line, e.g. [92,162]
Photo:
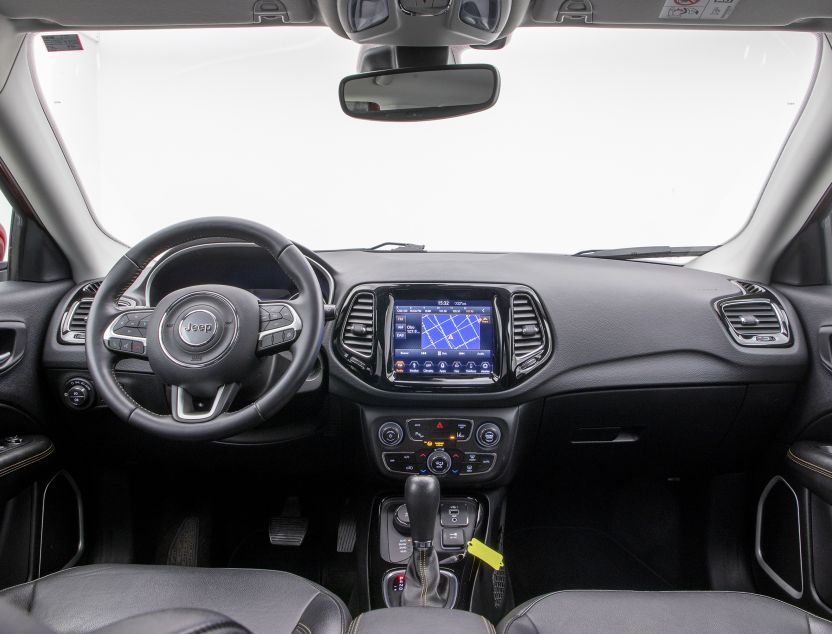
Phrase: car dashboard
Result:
[470,365]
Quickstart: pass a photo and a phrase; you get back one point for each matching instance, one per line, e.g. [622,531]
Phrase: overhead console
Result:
[443,336]
[426,23]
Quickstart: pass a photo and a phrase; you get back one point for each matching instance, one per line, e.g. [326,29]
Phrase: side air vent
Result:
[74,322]
[749,288]
[91,289]
[756,322]
[529,335]
[79,314]
[358,335]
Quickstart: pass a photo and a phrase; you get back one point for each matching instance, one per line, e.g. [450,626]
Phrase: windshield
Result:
[600,139]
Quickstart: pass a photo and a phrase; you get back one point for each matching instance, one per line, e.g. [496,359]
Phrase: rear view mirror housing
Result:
[420,94]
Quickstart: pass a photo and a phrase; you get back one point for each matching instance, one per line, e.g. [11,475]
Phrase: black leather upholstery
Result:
[20,464]
[420,621]
[624,612]
[176,621]
[426,586]
[811,464]
[88,598]
[14,620]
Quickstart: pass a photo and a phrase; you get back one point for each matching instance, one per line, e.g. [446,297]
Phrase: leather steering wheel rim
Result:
[308,305]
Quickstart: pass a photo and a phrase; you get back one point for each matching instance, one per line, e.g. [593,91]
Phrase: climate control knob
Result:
[390,434]
[439,462]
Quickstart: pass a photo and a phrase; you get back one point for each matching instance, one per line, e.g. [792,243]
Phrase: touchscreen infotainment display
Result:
[445,337]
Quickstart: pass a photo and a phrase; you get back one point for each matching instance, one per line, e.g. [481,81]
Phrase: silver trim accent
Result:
[78,337]
[213,327]
[449,462]
[73,336]
[758,553]
[165,258]
[780,338]
[176,403]
[297,324]
[109,334]
[227,348]
[381,429]
[79,505]
[453,595]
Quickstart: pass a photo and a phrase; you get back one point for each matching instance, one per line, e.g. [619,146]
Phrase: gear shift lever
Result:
[421,495]
[425,586]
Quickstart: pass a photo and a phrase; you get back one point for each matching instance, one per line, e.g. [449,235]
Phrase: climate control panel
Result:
[447,447]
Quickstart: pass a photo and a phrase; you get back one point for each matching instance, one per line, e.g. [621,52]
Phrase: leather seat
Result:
[625,612]
[89,598]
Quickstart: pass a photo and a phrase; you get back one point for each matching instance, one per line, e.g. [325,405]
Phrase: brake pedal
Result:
[289,528]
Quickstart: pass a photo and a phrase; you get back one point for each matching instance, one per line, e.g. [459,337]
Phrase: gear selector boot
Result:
[425,586]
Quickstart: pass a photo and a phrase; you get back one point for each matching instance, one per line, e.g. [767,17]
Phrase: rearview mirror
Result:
[419,94]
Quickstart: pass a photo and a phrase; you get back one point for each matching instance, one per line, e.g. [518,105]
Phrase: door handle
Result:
[12,343]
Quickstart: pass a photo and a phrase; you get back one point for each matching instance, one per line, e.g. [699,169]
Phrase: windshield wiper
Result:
[634,253]
[399,246]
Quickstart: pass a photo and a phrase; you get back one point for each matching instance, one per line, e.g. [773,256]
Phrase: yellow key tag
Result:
[486,554]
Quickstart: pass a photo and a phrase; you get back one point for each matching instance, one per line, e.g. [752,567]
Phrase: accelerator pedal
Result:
[347,531]
[289,528]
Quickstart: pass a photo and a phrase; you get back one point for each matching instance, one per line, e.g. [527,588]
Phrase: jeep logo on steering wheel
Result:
[198,328]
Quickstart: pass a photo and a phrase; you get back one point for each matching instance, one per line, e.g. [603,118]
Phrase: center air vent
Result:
[756,322]
[358,335]
[529,337]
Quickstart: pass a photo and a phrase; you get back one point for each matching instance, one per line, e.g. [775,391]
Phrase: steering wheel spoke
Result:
[187,408]
[280,326]
[127,332]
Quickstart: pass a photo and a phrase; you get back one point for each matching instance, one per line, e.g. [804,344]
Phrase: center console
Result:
[460,449]
[443,337]
[412,341]
[458,521]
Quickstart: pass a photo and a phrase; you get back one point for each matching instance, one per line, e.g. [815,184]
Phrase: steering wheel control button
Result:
[439,462]
[132,324]
[488,435]
[279,325]
[390,434]
[128,333]
[198,328]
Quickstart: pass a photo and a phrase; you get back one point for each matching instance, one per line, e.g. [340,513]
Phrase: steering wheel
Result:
[205,341]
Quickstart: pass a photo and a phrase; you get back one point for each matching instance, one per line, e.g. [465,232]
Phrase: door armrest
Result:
[810,463]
